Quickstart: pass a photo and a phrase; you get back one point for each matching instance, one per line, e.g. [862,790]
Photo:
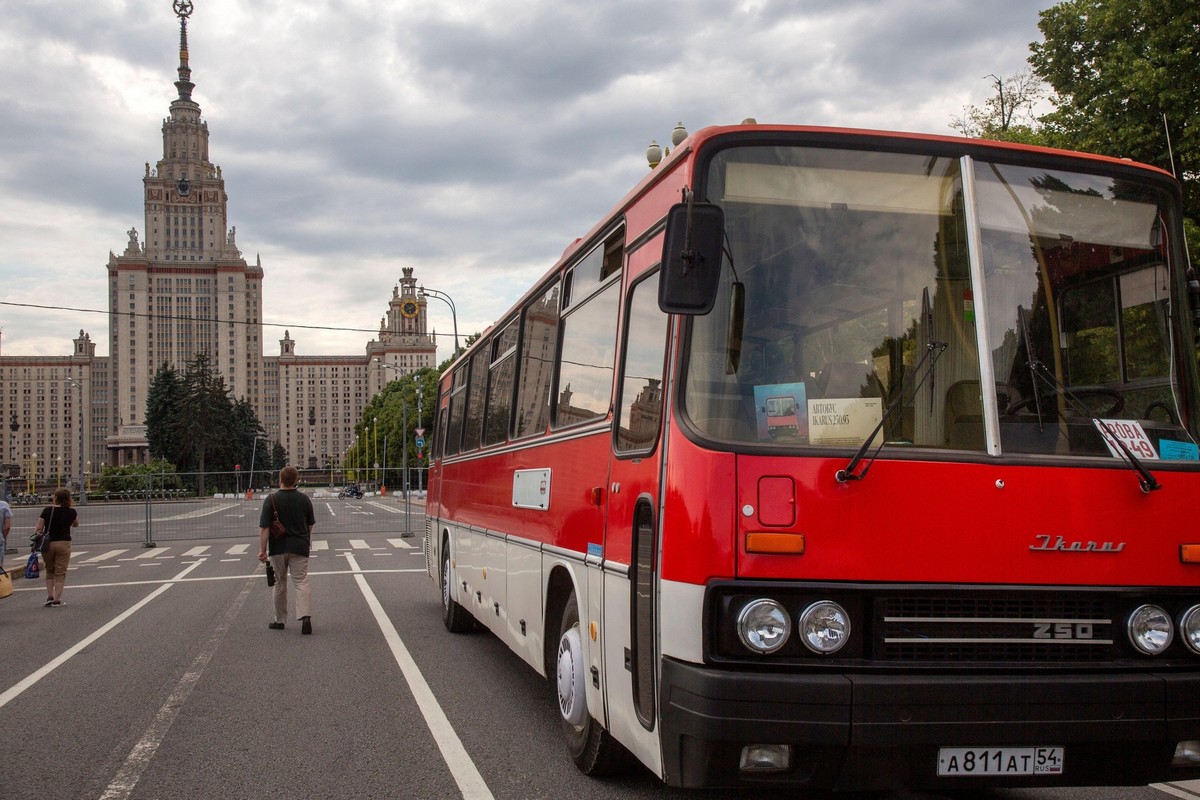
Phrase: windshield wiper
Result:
[1037,367]
[932,351]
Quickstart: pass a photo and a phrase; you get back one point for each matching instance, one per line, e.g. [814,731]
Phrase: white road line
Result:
[151,552]
[332,513]
[31,680]
[139,757]
[1179,790]
[462,768]
[237,550]
[360,544]
[197,551]
[389,509]
[402,544]
[103,556]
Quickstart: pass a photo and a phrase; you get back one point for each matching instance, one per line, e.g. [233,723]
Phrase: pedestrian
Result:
[289,554]
[58,519]
[5,527]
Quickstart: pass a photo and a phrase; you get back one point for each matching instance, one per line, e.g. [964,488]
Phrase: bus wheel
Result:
[592,748]
[454,617]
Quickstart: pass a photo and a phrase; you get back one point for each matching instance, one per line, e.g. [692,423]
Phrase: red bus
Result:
[969,563]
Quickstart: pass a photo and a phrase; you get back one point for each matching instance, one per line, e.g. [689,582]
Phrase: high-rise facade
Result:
[184,288]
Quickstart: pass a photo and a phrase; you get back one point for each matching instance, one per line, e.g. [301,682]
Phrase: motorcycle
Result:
[351,491]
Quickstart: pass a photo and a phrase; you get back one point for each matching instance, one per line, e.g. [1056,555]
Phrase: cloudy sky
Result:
[472,140]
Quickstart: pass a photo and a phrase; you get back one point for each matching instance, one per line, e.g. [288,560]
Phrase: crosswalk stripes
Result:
[153,556]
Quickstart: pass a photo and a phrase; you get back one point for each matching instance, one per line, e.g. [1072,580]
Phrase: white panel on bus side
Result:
[679,631]
[531,489]
[525,602]
[623,722]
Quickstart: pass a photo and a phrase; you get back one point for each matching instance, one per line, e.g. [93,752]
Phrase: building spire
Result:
[183,10]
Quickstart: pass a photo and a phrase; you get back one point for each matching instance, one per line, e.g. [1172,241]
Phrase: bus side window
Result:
[586,365]
[641,401]
[500,385]
[539,341]
[476,394]
[458,396]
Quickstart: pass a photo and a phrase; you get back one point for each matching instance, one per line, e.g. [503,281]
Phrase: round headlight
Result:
[763,626]
[1189,628]
[825,627]
[1150,629]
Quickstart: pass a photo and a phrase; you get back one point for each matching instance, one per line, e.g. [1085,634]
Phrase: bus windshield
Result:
[1050,292]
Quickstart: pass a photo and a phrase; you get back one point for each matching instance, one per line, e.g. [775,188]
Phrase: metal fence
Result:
[174,507]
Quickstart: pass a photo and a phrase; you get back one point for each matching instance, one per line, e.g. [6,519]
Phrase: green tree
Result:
[203,426]
[1116,68]
[1009,114]
[163,401]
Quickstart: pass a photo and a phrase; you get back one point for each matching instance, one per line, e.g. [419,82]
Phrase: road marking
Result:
[389,509]
[103,556]
[319,544]
[150,553]
[329,508]
[462,768]
[197,551]
[237,550]
[32,679]
[403,545]
[1179,790]
[139,757]
[360,544]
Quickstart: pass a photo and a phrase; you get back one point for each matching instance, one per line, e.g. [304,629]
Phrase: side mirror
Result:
[691,259]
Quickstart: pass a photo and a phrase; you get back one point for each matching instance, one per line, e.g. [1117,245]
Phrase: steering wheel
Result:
[1159,404]
[1050,401]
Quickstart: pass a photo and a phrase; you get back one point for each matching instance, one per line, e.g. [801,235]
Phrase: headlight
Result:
[763,626]
[1189,628]
[825,627]
[1150,629]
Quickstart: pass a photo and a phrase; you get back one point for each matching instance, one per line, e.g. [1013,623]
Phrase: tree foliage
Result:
[390,421]
[1009,115]
[192,422]
[1116,68]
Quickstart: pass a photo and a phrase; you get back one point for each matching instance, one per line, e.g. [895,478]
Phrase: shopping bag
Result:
[5,583]
[33,569]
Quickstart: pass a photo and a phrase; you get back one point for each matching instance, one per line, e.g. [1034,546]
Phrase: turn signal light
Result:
[1189,553]
[770,542]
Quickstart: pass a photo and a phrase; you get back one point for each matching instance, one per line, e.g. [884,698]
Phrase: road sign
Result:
[420,441]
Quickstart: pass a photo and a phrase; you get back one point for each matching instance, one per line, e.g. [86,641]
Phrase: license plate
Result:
[969,761]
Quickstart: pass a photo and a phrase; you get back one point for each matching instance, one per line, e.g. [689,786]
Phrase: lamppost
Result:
[420,431]
[403,452]
[445,298]
[13,426]
[375,445]
[79,464]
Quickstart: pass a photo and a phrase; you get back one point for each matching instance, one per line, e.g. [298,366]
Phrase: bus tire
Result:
[454,617]
[593,749]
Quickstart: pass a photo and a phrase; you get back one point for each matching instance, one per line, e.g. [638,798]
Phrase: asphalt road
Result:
[160,679]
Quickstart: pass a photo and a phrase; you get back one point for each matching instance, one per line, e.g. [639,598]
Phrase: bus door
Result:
[631,532]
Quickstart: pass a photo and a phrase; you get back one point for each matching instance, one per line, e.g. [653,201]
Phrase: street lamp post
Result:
[404,453]
[13,426]
[82,492]
[445,298]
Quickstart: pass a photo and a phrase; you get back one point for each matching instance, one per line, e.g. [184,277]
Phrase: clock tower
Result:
[404,342]
[185,288]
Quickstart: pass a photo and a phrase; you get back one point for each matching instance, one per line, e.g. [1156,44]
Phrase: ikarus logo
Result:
[1047,542]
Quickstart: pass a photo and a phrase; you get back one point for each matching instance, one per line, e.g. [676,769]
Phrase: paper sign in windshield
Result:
[1130,433]
[843,422]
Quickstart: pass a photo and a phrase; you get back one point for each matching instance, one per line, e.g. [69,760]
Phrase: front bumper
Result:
[858,732]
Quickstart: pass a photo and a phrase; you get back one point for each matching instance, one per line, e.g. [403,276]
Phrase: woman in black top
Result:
[58,519]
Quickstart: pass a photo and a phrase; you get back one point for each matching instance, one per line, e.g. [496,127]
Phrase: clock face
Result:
[184,187]
[408,308]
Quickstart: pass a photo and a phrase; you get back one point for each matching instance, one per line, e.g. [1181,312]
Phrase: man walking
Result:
[289,553]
